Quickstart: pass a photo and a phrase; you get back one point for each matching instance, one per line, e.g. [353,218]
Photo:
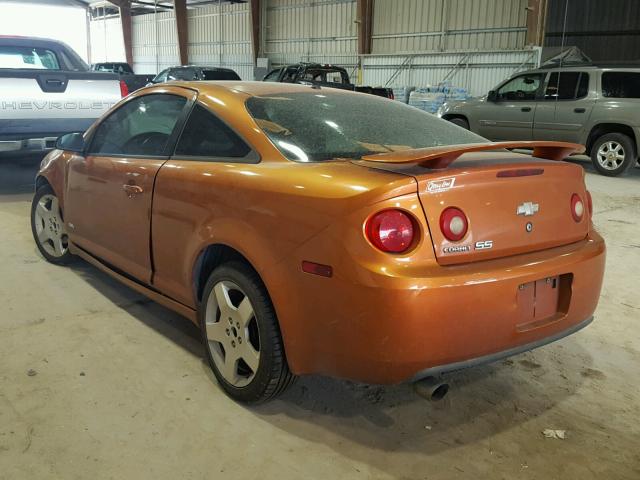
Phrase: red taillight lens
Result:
[391,231]
[124,90]
[577,207]
[454,224]
[590,204]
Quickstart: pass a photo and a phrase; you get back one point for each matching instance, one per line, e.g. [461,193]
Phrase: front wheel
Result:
[613,154]
[47,226]
[241,335]
[461,122]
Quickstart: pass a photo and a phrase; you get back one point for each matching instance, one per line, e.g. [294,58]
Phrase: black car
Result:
[192,72]
[125,72]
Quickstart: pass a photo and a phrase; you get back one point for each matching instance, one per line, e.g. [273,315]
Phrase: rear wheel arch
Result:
[601,129]
[211,258]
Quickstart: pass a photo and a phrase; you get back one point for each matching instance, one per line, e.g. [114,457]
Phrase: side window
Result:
[140,127]
[290,75]
[183,74]
[272,76]
[205,135]
[621,85]
[567,86]
[522,88]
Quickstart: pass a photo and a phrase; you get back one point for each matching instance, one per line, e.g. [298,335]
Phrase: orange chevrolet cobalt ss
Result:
[310,230]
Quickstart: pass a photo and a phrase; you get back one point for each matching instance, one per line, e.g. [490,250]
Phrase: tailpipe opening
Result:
[431,388]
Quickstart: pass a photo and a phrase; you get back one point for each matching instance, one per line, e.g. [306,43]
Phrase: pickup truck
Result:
[46,91]
[125,72]
[323,75]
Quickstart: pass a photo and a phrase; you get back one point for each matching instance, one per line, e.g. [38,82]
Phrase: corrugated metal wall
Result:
[302,29]
[473,43]
[221,36]
[106,41]
[443,25]
[607,31]
[155,42]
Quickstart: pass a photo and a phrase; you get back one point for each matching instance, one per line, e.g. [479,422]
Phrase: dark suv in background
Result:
[192,72]
[596,107]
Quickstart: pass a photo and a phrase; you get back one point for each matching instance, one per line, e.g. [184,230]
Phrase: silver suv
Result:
[596,107]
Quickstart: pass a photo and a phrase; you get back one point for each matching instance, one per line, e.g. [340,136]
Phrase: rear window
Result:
[621,85]
[320,125]
[26,57]
[220,75]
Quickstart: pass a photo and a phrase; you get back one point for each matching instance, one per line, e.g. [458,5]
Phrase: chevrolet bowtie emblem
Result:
[528,209]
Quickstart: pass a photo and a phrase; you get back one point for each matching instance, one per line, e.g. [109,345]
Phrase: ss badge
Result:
[487,244]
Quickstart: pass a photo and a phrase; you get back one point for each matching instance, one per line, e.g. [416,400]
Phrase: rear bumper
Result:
[494,357]
[381,329]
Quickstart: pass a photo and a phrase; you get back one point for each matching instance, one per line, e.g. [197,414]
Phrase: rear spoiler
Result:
[442,157]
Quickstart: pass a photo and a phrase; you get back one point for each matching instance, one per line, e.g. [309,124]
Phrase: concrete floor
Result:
[98,382]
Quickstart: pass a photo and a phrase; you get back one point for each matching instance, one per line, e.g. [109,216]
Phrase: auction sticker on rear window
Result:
[442,185]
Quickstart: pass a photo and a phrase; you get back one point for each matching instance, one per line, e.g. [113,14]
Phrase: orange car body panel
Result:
[380,318]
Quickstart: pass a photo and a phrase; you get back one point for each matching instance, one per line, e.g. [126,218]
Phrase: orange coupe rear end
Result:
[317,231]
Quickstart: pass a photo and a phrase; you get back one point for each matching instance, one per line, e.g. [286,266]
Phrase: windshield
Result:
[321,125]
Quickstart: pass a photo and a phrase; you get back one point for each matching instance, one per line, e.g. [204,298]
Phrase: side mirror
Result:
[492,96]
[71,142]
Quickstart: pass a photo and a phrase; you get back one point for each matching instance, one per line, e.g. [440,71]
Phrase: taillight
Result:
[590,204]
[454,224]
[124,90]
[391,231]
[577,207]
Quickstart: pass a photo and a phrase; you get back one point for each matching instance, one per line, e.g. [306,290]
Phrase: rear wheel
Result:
[613,154]
[461,122]
[47,225]
[241,335]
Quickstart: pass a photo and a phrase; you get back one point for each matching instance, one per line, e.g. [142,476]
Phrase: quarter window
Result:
[621,85]
[567,86]
[205,135]
[522,88]
[141,127]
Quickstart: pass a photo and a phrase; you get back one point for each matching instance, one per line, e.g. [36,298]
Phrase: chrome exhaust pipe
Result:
[431,388]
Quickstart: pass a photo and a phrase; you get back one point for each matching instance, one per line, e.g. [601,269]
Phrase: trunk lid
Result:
[513,203]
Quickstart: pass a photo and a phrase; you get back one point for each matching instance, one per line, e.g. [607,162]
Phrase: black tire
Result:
[461,122]
[58,256]
[609,168]
[272,375]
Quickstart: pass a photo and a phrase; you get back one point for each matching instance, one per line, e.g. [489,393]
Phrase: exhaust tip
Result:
[431,388]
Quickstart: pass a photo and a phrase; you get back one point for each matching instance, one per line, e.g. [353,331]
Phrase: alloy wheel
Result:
[49,226]
[232,333]
[611,155]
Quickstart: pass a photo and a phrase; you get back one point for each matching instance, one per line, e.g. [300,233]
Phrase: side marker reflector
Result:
[317,269]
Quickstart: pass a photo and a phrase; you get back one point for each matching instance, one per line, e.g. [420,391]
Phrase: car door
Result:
[109,190]
[509,114]
[194,186]
[565,109]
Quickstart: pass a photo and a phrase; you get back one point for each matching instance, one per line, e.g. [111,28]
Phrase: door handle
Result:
[132,189]
[579,110]
[526,109]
